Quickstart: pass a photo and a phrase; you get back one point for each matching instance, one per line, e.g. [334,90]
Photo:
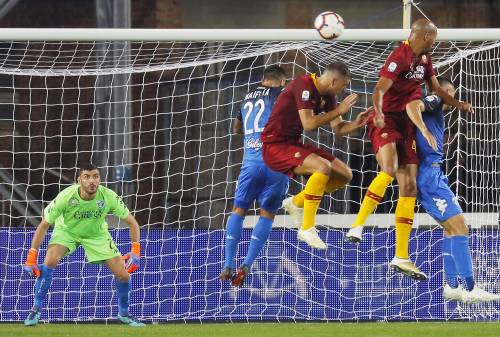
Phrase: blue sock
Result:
[123,292]
[260,234]
[463,260]
[450,270]
[42,286]
[233,235]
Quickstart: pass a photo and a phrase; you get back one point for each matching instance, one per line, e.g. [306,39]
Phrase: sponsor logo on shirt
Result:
[430,98]
[306,95]
[80,215]
[392,66]
[254,143]
[417,74]
[100,204]
[73,202]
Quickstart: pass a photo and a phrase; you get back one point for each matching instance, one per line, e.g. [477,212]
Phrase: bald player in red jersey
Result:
[393,135]
[299,107]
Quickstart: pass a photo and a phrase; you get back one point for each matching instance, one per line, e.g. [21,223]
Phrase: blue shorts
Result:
[435,194]
[259,181]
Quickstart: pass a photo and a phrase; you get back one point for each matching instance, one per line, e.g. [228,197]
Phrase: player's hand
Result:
[363,117]
[465,106]
[133,259]
[347,104]
[378,120]
[30,266]
[430,139]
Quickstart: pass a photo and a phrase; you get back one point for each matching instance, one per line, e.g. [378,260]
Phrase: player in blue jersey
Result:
[256,181]
[438,199]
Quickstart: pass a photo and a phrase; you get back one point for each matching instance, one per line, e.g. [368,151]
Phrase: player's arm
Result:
[310,121]
[447,98]
[414,110]
[341,127]
[31,265]
[383,85]
[134,227]
[238,124]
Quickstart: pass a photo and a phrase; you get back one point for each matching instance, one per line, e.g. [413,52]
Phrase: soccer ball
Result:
[329,25]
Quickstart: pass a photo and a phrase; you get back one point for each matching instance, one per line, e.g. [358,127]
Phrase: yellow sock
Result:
[298,199]
[313,193]
[405,212]
[373,196]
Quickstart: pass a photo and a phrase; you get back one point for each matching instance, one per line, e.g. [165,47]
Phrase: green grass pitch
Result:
[426,329]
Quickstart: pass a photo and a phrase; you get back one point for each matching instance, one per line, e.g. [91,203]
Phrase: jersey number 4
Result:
[249,107]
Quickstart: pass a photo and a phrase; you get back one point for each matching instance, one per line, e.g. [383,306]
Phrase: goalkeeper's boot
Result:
[405,266]
[452,294]
[130,320]
[354,234]
[240,276]
[295,212]
[226,274]
[33,318]
[311,237]
[478,295]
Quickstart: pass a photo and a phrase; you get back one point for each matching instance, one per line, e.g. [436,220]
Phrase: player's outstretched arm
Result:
[341,127]
[31,266]
[383,85]
[132,260]
[414,110]
[447,98]
[310,121]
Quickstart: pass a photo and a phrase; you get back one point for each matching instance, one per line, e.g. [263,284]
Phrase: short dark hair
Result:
[86,167]
[445,80]
[338,67]
[274,73]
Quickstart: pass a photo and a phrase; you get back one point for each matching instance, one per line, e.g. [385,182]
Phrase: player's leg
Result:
[273,192]
[60,244]
[247,189]
[406,176]
[122,288]
[319,170]
[387,158]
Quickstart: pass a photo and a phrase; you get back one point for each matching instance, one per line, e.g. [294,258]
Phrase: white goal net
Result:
[156,117]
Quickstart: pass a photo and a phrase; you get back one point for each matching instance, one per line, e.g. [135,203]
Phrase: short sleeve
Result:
[432,103]
[118,207]
[303,94]
[394,65]
[54,210]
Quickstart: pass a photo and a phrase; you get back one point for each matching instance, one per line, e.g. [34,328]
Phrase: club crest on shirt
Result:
[305,95]
[100,204]
[73,202]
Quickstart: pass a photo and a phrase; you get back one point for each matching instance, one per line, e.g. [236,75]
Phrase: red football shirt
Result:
[408,72]
[284,125]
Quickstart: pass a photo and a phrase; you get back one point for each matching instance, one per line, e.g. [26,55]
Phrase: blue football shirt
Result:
[433,117]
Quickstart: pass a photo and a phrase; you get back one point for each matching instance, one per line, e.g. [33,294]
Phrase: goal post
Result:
[153,108]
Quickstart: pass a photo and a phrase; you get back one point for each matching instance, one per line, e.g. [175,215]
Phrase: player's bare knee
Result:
[347,176]
[324,168]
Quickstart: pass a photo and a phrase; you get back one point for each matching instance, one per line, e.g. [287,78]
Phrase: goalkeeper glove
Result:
[30,266]
[132,259]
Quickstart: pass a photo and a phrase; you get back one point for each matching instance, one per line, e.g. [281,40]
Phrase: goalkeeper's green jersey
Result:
[84,218]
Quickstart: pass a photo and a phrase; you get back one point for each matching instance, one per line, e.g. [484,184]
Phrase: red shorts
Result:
[284,157]
[398,129]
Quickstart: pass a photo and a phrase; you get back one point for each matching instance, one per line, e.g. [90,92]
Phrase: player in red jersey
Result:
[393,135]
[299,108]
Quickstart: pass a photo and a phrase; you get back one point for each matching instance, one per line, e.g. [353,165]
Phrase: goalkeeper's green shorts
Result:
[97,250]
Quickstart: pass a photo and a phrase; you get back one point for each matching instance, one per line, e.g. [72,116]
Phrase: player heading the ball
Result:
[392,135]
[78,214]
[300,107]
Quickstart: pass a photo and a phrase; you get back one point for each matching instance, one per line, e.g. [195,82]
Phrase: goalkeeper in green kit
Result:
[78,214]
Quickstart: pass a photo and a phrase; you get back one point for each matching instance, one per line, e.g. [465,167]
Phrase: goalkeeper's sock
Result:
[450,269]
[463,260]
[313,193]
[260,234]
[42,286]
[123,294]
[372,198]
[233,235]
[405,212]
